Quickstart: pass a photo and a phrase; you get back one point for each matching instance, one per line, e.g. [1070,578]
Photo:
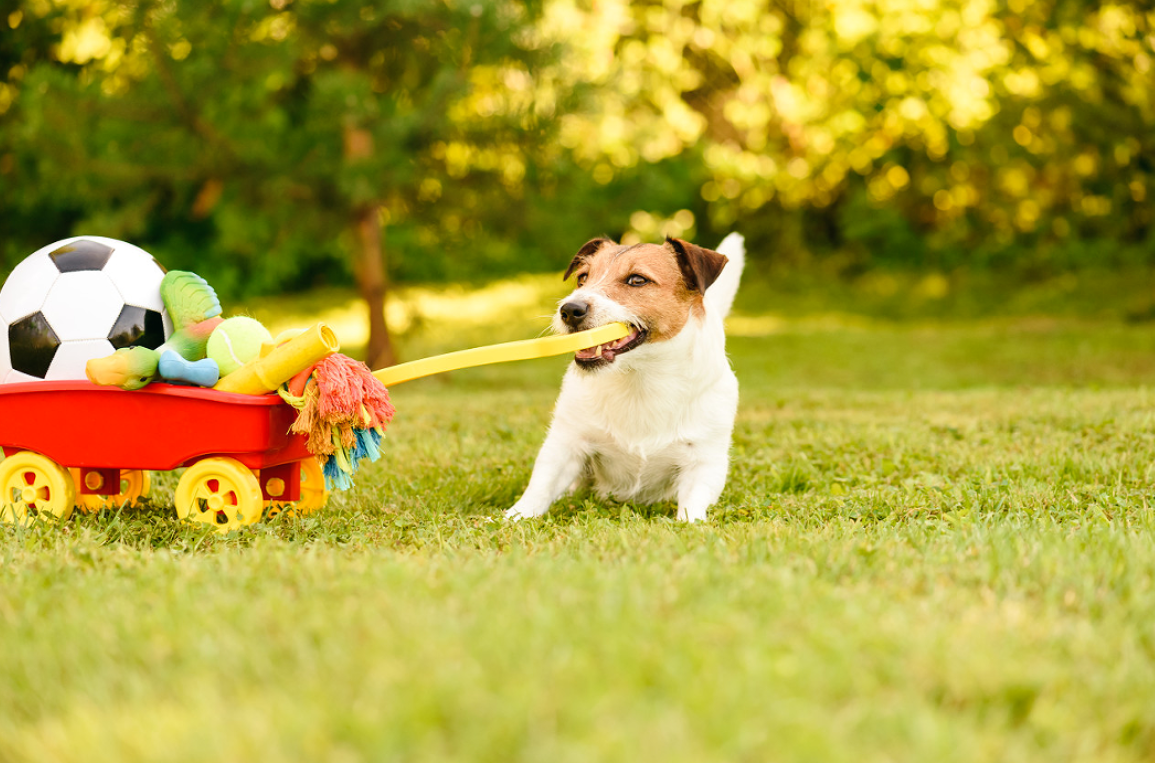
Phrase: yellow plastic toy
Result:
[280,363]
[526,349]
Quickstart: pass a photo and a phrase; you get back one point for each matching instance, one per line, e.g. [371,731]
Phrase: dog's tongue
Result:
[607,350]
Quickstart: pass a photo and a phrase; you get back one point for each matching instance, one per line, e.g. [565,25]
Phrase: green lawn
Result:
[937,544]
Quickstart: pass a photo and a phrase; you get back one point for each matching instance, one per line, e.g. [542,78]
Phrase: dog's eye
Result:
[581,279]
[637,280]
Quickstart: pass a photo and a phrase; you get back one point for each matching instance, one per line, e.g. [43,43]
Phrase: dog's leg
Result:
[558,466]
[699,485]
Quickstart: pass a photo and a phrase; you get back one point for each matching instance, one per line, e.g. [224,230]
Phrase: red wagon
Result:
[74,443]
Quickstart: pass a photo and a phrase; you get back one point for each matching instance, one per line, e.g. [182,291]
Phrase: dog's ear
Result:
[700,267]
[589,249]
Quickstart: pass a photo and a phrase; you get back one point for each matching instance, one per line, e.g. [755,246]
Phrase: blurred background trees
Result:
[275,145]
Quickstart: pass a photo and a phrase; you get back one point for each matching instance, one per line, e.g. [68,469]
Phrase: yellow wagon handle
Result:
[526,349]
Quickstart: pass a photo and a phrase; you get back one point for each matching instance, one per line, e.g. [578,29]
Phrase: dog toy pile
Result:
[195,311]
[341,408]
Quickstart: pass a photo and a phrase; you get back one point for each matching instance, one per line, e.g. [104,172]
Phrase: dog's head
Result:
[655,289]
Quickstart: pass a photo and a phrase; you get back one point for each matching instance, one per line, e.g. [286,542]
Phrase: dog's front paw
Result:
[691,514]
[522,510]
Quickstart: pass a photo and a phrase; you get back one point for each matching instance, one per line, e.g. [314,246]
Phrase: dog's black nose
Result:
[573,313]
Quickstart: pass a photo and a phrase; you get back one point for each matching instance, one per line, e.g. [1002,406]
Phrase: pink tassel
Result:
[343,409]
[345,386]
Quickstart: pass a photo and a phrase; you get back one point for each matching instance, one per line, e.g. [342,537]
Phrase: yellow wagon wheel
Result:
[221,492]
[33,486]
[313,493]
[134,485]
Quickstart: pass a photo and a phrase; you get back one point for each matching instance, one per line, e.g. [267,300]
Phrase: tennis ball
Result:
[236,341]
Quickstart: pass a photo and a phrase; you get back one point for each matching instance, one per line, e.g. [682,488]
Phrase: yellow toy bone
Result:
[526,349]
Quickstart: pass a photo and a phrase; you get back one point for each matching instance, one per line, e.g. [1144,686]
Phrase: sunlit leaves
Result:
[963,113]
[973,123]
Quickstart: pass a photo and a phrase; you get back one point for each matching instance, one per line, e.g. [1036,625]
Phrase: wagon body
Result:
[239,450]
[160,427]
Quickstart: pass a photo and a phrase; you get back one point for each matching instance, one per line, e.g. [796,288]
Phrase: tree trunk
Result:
[370,274]
[369,261]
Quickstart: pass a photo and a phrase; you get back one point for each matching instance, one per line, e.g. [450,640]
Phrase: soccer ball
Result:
[78,299]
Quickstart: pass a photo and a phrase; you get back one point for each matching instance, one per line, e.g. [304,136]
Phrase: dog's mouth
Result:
[604,354]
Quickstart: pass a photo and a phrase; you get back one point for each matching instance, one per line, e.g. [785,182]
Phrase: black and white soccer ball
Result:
[75,300]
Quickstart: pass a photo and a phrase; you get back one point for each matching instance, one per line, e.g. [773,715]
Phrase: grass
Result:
[936,544]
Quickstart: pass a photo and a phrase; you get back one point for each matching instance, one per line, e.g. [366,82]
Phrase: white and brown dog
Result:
[648,417]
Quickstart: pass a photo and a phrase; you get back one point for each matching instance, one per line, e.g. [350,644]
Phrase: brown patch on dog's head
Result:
[662,285]
[589,249]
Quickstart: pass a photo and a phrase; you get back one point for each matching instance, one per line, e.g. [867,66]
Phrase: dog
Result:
[648,417]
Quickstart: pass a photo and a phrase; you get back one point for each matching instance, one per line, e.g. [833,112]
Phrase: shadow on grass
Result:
[587,504]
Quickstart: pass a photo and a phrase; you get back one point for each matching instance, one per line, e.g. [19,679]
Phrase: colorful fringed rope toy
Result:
[343,410]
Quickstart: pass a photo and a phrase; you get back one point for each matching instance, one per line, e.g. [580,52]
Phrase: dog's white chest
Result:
[629,475]
[639,431]
[633,413]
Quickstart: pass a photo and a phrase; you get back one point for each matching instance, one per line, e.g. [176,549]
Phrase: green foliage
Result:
[953,134]
[981,129]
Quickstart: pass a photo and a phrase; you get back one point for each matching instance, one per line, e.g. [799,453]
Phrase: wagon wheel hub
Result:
[219,491]
[33,486]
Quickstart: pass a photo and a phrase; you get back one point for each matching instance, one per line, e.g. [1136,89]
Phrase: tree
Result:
[282,134]
[26,41]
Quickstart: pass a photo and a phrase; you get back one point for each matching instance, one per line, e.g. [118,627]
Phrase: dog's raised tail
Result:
[720,295]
